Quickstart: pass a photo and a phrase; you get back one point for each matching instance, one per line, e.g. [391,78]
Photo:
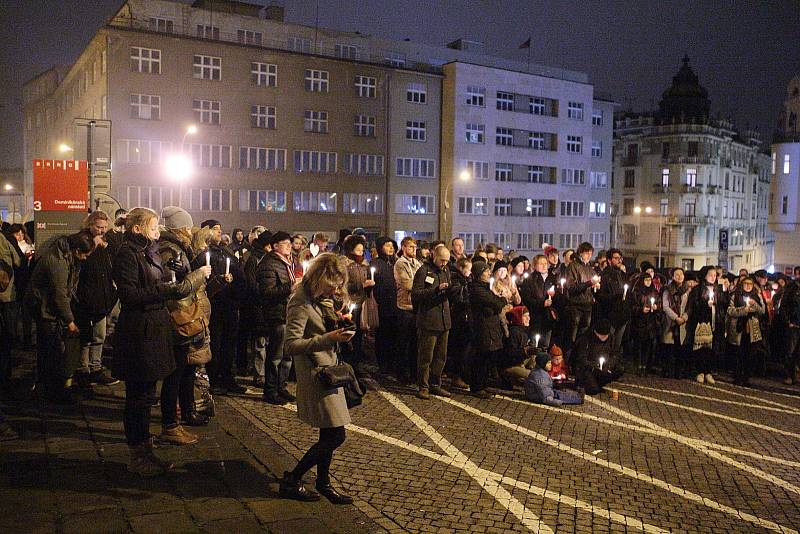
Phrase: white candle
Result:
[491,282]
[525,276]
[174,280]
[208,259]
[536,337]
[372,273]
[773,294]
[563,281]
[305,267]
[624,291]
[652,302]
[551,291]
[596,280]
[352,308]
[237,255]
[227,266]
[747,301]
[710,296]
[514,278]
[602,361]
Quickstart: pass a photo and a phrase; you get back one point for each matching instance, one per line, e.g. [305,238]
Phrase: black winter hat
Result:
[542,358]
[499,265]
[478,267]
[516,261]
[263,239]
[602,327]
[351,241]
[210,223]
[279,236]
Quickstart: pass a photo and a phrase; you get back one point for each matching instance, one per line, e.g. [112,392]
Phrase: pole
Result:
[90,159]
[660,219]
[529,54]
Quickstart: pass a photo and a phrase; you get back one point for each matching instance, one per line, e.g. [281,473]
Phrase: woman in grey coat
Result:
[312,336]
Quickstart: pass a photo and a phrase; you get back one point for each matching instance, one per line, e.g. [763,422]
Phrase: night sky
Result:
[744,51]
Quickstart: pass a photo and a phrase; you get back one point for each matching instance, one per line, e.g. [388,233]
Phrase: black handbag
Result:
[343,376]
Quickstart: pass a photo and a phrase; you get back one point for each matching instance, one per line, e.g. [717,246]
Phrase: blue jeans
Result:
[567,396]
[277,366]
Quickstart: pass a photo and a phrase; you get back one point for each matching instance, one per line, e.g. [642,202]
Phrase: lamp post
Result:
[464,176]
[179,166]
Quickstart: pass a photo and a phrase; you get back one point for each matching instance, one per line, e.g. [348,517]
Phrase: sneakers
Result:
[144,463]
[440,392]
[700,378]
[284,394]
[423,394]
[293,488]
[710,379]
[178,435]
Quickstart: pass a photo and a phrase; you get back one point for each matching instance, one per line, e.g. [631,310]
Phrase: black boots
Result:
[293,488]
[329,492]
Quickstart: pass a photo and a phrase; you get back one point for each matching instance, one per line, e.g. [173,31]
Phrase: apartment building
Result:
[690,190]
[784,211]
[526,158]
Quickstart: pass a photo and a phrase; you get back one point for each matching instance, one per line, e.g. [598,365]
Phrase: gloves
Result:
[177,266]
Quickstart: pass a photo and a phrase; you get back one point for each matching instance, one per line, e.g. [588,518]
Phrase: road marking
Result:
[458,463]
[710,414]
[627,471]
[754,397]
[647,429]
[791,411]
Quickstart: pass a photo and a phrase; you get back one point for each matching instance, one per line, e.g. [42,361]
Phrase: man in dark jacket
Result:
[789,320]
[610,298]
[541,294]
[96,298]
[252,311]
[275,280]
[582,282]
[225,291]
[385,293]
[460,336]
[429,295]
[592,359]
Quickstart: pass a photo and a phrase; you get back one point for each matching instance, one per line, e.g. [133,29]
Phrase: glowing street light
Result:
[8,187]
[63,147]
[179,168]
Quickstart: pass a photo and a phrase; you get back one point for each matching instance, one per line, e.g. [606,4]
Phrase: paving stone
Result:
[165,523]
[110,520]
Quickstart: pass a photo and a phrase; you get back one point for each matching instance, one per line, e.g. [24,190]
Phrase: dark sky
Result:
[744,51]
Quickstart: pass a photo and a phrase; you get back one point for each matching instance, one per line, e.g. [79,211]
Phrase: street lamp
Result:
[8,187]
[63,147]
[179,166]
[464,176]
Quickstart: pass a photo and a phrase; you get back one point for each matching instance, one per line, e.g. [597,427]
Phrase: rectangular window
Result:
[503,240]
[691,177]
[418,204]
[345,51]
[204,31]
[249,37]
[322,202]
[146,107]
[416,168]
[141,151]
[364,126]
[630,178]
[262,117]
[262,158]
[786,164]
[478,170]
[155,198]
[210,199]
[505,101]
[472,240]
[597,117]
[146,60]
[218,156]
[503,172]
[368,203]
[524,242]
[598,240]
[158,24]
[537,106]
[574,144]
[688,237]
[784,205]
[573,176]
[473,205]
[415,130]
[265,74]
[546,239]
[597,209]
[597,149]
[690,209]
[627,206]
[502,207]
[366,86]
[394,59]
[692,149]
[206,111]
[664,177]
[316,80]
[538,208]
[314,161]
[571,208]
[207,67]
[598,180]
[575,110]
[570,240]
[504,136]
[363,164]
[261,200]
[475,133]
[299,44]
[416,93]
[315,121]
[536,141]
[476,96]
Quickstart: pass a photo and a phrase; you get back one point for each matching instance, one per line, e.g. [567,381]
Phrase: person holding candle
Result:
[610,302]
[359,287]
[517,347]
[504,285]
[581,284]
[706,306]
[539,385]
[554,265]
[385,292]
[744,327]
[674,300]
[459,341]
[646,322]
[544,301]
[252,314]
[487,328]
[405,351]
[595,364]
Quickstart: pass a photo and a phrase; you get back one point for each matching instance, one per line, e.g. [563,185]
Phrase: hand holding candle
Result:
[596,282]
[227,266]
[563,281]
[208,261]
[372,273]
[602,361]
[624,291]
[491,282]
[536,337]
[652,303]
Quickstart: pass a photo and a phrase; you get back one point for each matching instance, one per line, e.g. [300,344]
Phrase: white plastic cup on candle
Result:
[652,302]
[227,266]
[305,267]
[372,273]
[624,291]
[208,259]
[602,361]
[563,281]
[747,301]
[525,276]
[174,280]
[536,337]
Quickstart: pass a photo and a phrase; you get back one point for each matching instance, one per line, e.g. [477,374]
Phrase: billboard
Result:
[60,197]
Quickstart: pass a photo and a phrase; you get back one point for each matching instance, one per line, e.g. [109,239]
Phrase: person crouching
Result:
[539,386]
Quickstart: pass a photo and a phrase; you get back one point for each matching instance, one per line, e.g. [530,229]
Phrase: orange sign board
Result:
[60,185]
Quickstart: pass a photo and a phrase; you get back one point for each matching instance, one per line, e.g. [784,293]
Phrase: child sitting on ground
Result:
[559,371]
[539,386]
[517,347]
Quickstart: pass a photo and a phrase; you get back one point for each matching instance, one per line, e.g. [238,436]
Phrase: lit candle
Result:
[525,276]
[238,257]
[710,296]
[305,267]
[652,302]
[491,282]
[174,280]
[208,259]
[352,308]
[602,361]
[747,301]
[551,292]
[624,291]
[513,278]
[536,337]
[563,281]
[372,273]
[596,280]
[227,266]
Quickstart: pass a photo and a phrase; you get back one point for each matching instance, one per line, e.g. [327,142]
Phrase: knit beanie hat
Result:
[175,217]
[478,268]
[210,223]
[555,350]
[515,315]
[550,249]
[602,327]
[279,236]
[542,358]
[516,261]
[499,265]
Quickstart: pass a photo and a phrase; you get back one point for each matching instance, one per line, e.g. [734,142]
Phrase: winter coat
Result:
[514,347]
[460,311]
[645,326]
[274,283]
[587,353]
[13,259]
[385,290]
[508,290]
[487,328]
[533,291]
[431,303]
[231,293]
[143,336]
[357,274]
[741,318]
[96,292]
[252,308]
[557,271]
[579,284]
[54,283]
[700,312]
[674,304]
[610,304]
[404,269]
[539,388]
[311,348]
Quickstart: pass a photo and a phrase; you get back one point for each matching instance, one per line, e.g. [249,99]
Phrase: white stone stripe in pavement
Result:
[791,411]
[627,471]
[755,397]
[648,430]
[710,414]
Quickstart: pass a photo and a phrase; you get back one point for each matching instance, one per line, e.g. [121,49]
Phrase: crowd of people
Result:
[164,298]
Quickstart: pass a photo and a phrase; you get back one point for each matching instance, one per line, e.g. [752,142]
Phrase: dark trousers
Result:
[321,455]
[178,387]
[7,329]
[792,353]
[353,352]
[702,360]
[50,363]
[385,340]
[458,345]
[224,334]
[479,368]
[277,366]
[139,397]
[644,349]
[678,363]
[593,380]
[243,342]
[405,364]
[581,321]
[431,357]
[744,360]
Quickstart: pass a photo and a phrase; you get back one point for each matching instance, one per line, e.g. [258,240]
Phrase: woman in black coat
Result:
[645,305]
[706,306]
[143,346]
[544,302]
[487,327]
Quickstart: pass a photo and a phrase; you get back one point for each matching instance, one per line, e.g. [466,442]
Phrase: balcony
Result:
[713,189]
[659,189]
[689,160]
[691,189]
[687,220]
[630,161]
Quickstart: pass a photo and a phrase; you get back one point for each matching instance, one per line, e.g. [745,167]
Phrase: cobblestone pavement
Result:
[666,456]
